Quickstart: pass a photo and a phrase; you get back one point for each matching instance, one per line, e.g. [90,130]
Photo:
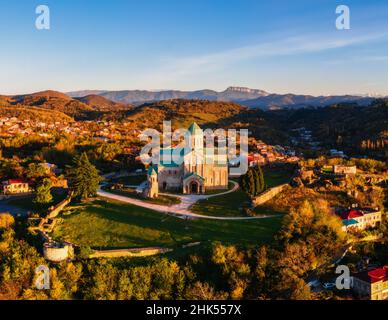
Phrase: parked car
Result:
[314,283]
[329,285]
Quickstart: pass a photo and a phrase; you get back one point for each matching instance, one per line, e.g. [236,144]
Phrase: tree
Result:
[6,221]
[234,268]
[84,178]
[43,193]
[35,171]
[253,181]
[203,291]
[259,177]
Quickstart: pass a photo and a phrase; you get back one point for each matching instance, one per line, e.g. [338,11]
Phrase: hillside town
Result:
[355,195]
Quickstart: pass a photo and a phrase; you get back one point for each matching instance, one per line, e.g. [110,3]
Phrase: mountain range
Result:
[252,98]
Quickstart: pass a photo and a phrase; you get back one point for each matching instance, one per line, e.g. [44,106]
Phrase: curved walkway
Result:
[181,209]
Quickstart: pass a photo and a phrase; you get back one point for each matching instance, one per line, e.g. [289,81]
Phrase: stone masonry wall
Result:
[268,195]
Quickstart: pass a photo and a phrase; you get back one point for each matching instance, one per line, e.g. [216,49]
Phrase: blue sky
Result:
[279,46]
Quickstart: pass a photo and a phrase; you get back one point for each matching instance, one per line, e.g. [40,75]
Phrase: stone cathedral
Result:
[200,168]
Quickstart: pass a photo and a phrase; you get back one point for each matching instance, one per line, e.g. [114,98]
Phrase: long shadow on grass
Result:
[181,231]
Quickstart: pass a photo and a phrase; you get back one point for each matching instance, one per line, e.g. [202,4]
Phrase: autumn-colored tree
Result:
[43,193]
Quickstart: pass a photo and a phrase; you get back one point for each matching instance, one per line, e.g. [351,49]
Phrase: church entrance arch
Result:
[194,187]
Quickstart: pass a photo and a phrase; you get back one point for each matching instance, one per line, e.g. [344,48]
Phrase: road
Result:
[182,209]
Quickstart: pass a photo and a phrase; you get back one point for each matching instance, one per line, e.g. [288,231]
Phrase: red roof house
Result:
[351,214]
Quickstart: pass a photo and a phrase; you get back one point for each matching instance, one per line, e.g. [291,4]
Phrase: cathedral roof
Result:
[194,128]
[166,157]
[152,170]
[193,175]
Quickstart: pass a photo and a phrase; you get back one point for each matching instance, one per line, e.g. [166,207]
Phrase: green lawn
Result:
[276,176]
[163,200]
[109,224]
[232,204]
[228,205]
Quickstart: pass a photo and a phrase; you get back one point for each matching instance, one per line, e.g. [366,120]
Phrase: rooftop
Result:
[350,214]
[13,181]
[375,275]
[194,127]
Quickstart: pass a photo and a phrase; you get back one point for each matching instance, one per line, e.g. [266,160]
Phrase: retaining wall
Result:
[268,195]
[58,208]
[141,252]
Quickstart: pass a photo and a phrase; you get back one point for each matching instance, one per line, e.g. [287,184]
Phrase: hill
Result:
[102,104]
[182,113]
[139,97]
[82,108]
[252,98]
[54,101]
[348,127]
[292,101]
[48,94]
[33,113]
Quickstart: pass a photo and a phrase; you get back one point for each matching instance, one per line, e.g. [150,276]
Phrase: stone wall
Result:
[56,252]
[52,250]
[268,195]
[58,208]
[141,252]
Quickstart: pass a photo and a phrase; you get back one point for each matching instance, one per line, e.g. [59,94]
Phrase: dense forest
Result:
[347,127]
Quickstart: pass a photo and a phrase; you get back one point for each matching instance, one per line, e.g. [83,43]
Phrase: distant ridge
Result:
[233,94]
[103,104]
[78,108]
[252,98]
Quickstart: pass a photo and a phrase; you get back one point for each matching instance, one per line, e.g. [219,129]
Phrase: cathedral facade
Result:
[198,170]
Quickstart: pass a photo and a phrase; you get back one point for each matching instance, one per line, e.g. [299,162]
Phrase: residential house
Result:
[347,170]
[14,186]
[372,284]
[360,219]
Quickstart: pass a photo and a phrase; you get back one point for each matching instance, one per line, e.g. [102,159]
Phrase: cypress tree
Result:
[256,175]
[261,178]
[84,177]
[253,181]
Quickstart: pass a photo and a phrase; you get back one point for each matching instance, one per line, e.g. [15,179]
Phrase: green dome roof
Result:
[194,128]
[152,170]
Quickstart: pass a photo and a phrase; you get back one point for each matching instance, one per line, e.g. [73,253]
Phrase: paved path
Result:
[182,209]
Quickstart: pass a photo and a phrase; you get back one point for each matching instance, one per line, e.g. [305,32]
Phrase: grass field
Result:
[109,224]
[276,176]
[232,204]
[228,205]
[164,200]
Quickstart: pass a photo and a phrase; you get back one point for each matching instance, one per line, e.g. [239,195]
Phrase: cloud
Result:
[180,67]
[359,59]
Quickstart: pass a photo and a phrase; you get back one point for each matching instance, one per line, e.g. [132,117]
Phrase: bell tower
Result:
[153,186]
[196,138]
